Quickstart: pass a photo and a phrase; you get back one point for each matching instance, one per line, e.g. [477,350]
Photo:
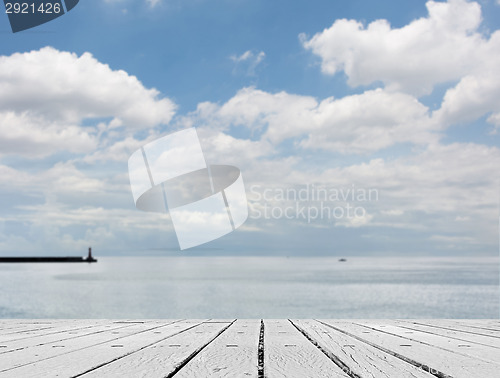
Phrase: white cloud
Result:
[444,191]
[444,47]
[369,122]
[425,190]
[68,88]
[354,124]
[248,61]
[477,93]
[432,188]
[62,179]
[439,48]
[28,135]
[58,227]
[46,95]
[249,55]
[48,102]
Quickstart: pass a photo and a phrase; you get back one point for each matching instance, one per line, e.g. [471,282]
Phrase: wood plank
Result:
[233,354]
[44,329]
[458,327]
[162,359]
[455,335]
[427,357]
[218,348]
[45,355]
[51,338]
[31,322]
[26,332]
[11,325]
[288,353]
[481,352]
[356,357]
[477,324]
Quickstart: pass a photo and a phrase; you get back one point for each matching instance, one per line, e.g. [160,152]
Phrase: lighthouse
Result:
[89,258]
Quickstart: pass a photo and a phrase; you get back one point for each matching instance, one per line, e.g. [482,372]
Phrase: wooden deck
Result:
[250,348]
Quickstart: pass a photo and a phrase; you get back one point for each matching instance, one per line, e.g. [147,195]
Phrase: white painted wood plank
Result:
[456,335]
[459,327]
[48,352]
[220,320]
[163,358]
[495,328]
[469,323]
[59,337]
[356,357]
[13,326]
[6,329]
[26,332]
[37,330]
[288,354]
[430,358]
[30,322]
[233,354]
[481,352]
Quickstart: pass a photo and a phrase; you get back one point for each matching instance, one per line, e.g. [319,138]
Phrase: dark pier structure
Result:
[50,259]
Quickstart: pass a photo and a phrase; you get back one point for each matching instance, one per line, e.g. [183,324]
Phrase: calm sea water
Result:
[253,287]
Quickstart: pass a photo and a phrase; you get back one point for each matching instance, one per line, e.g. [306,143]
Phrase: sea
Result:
[253,287]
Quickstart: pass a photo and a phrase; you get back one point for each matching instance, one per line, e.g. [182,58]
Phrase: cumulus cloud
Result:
[35,136]
[370,122]
[426,190]
[441,47]
[447,46]
[355,124]
[66,87]
[447,192]
[477,93]
[46,95]
[81,117]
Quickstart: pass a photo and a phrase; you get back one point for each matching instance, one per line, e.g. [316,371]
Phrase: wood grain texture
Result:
[288,354]
[34,330]
[488,325]
[456,335]
[214,348]
[427,357]
[481,352]
[233,354]
[357,357]
[462,326]
[77,356]
[163,359]
[20,346]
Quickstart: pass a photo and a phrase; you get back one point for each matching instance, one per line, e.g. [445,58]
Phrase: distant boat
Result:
[50,259]
[342,260]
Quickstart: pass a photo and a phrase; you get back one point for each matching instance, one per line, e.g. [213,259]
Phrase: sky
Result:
[391,108]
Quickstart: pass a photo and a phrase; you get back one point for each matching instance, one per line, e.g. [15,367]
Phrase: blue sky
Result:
[401,97]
